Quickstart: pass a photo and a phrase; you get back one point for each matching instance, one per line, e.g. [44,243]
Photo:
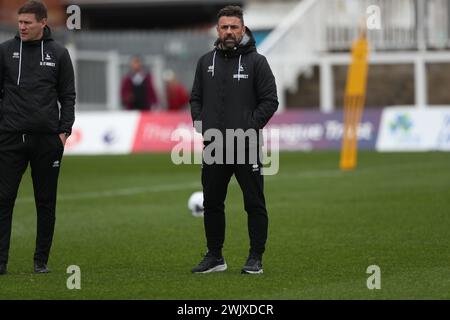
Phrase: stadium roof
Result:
[149,14]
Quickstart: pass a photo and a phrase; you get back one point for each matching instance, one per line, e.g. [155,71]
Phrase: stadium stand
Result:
[308,51]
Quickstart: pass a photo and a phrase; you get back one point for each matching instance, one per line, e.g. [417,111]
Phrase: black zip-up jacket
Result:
[34,76]
[234,89]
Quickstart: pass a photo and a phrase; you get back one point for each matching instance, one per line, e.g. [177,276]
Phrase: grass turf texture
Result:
[124,221]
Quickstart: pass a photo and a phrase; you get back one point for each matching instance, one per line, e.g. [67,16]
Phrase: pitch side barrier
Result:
[389,129]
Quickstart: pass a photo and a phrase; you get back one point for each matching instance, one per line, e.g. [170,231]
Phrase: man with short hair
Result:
[35,74]
[234,88]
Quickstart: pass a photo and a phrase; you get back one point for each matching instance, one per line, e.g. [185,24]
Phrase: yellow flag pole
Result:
[354,100]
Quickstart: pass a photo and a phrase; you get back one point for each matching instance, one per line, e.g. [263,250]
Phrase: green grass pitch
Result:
[124,221]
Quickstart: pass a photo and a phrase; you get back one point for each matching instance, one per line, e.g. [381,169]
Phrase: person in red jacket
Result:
[176,93]
[137,89]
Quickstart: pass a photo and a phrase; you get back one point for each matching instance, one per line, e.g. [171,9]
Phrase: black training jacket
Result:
[34,76]
[234,89]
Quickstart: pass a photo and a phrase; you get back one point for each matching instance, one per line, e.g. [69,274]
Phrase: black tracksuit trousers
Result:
[44,153]
[215,179]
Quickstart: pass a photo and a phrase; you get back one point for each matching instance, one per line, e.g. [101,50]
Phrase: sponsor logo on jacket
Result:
[240,75]
[48,64]
[47,60]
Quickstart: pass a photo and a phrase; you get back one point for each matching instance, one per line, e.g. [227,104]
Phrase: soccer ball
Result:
[195,204]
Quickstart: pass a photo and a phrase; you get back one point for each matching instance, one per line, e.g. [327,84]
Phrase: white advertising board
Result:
[103,133]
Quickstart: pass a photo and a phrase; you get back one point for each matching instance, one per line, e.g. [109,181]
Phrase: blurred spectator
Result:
[176,93]
[137,90]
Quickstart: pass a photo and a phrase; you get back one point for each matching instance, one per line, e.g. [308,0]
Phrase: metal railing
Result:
[99,75]
[316,29]
[313,29]
[101,60]
[332,25]
[405,24]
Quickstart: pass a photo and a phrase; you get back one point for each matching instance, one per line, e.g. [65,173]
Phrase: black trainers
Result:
[253,265]
[3,268]
[210,264]
[40,267]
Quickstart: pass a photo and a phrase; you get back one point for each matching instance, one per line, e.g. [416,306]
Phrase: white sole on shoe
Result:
[219,268]
[252,272]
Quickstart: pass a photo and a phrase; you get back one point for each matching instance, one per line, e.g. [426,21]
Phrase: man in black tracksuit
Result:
[234,88]
[35,73]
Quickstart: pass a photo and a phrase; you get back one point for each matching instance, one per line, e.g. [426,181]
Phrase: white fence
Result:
[405,24]
[311,35]
[99,75]
[101,61]
[313,32]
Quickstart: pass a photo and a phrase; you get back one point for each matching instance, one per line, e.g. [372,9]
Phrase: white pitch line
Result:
[173,187]
[117,192]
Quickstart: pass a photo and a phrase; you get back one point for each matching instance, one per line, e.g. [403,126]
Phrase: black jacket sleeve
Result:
[197,93]
[2,74]
[66,93]
[266,93]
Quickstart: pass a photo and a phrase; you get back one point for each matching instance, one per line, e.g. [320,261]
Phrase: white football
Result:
[195,204]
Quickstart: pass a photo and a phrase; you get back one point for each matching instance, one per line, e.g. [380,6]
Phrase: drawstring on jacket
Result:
[42,50]
[20,59]
[214,63]
[20,63]
[239,68]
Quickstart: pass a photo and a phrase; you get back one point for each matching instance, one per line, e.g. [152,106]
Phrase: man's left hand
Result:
[63,138]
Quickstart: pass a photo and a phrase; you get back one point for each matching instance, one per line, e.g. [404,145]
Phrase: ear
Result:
[43,23]
[244,29]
